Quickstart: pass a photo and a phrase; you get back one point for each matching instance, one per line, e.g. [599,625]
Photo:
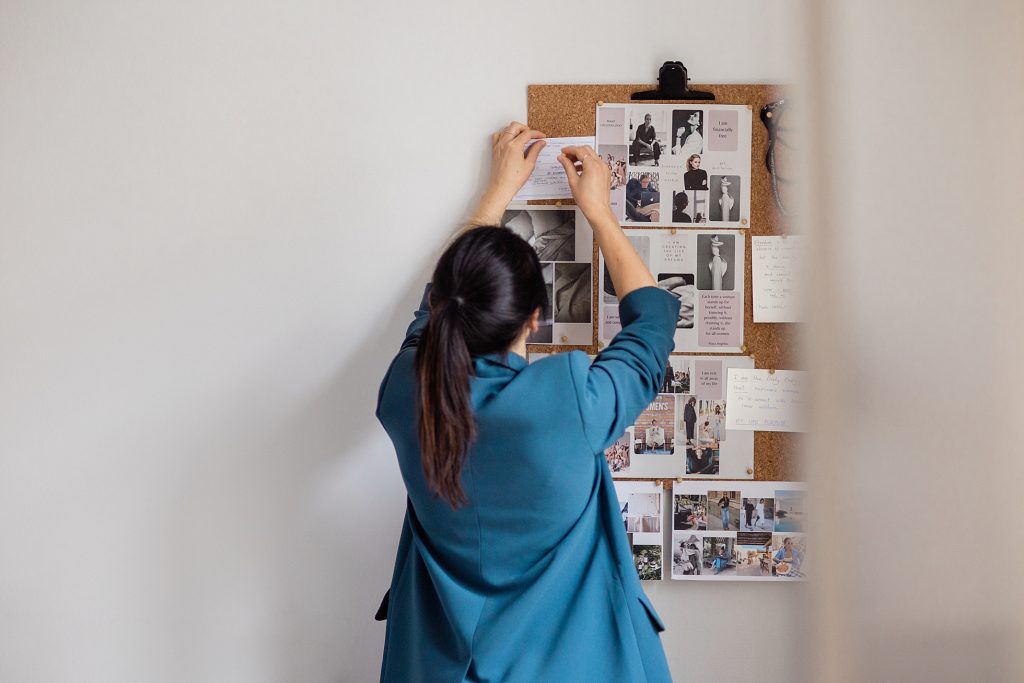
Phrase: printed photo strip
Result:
[564,242]
[640,504]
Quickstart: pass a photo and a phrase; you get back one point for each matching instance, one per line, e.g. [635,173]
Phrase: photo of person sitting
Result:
[701,461]
[645,143]
[679,203]
[695,177]
[686,559]
[643,200]
[655,438]
[721,561]
[788,555]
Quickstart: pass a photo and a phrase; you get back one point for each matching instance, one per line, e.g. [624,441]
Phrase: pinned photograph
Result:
[753,555]
[687,555]
[677,375]
[681,208]
[615,157]
[690,512]
[788,554]
[789,511]
[643,198]
[654,431]
[647,559]
[710,422]
[617,454]
[642,246]
[695,177]
[648,133]
[642,513]
[724,510]
[725,198]
[545,325]
[571,292]
[687,132]
[758,514]
[680,285]
[716,262]
[552,234]
[697,204]
[720,555]
[702,460]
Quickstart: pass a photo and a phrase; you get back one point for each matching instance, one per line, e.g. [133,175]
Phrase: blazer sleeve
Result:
[412,339]
[626,375]
[419,321]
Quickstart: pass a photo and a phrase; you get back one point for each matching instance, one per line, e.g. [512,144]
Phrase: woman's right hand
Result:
[589,179]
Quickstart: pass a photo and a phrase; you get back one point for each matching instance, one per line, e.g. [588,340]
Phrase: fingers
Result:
[570,169]
[525,135]
[533,151]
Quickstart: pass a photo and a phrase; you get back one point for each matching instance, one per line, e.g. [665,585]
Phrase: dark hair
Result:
[485,287]
[680,201]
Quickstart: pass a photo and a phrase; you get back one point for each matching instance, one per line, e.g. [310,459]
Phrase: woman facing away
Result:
[513,563]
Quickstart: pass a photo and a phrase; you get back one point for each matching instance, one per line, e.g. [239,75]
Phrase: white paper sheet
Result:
[679,165]
[765,401]
[778,279]
[548,179]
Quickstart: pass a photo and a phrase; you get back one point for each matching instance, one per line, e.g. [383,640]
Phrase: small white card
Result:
[778,279]
[548,179]
[765,401]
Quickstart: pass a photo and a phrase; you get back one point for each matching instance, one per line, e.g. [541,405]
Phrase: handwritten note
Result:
[760,400]
[548,179]
[778,279]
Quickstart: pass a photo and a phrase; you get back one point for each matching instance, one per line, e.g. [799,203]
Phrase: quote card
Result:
[548,179]
[765,401]
[778,279]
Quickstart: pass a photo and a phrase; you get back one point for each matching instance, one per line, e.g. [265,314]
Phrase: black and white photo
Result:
[687,132]
[552,234]
[571,293]
[716,262]
[725,198]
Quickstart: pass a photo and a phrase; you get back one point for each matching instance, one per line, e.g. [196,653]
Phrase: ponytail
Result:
[445,416]
[485,287]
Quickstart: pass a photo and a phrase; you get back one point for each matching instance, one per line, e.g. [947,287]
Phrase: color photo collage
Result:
[728,531]
[682,432]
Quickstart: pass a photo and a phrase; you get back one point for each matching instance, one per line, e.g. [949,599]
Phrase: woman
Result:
[689,140]
[759,513]
[513,563]
[695,177]
[787,553]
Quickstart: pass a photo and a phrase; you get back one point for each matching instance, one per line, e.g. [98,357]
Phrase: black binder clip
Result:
[672,85]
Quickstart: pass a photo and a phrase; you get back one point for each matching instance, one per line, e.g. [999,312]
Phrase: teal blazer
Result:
[533,580]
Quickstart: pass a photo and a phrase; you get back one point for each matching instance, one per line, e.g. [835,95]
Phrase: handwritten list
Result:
[778,279]
[548,179]
[764,401]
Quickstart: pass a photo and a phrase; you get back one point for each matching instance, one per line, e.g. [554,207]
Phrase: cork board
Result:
[570,110]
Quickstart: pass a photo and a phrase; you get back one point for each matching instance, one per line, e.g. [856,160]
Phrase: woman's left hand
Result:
[511,165]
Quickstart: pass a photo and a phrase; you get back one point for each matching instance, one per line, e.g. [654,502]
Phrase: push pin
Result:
[743,221]
[558,203]
[743,349]
[771,371]
[673,231]
[600,103]
[750,470]
[565,339]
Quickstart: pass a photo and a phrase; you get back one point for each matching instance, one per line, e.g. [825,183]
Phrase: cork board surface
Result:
[570,110]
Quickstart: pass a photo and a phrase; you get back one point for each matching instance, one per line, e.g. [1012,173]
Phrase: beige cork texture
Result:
[570,110]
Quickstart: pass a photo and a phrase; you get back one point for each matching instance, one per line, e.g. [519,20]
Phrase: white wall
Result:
[215,221]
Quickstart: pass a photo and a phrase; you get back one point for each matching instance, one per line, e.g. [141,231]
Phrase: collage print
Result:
[704,270]
[677,165]
[564,242]
[739,530]
[726,531]
[683,431]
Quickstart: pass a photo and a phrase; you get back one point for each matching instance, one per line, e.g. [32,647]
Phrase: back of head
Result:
[486,286]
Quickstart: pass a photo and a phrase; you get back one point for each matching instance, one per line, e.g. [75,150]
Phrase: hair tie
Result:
[459,300]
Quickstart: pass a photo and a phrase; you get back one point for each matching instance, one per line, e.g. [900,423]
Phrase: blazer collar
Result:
[498,364]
